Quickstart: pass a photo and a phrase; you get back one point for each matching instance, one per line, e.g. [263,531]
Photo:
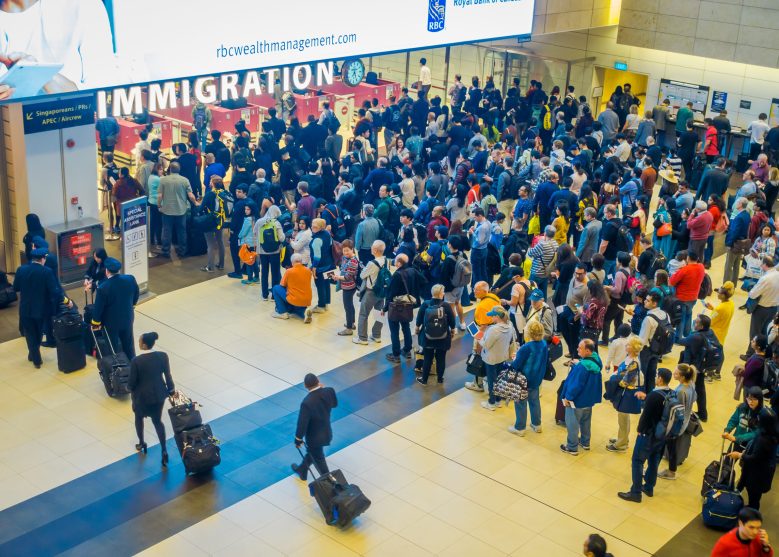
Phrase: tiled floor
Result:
[446,478]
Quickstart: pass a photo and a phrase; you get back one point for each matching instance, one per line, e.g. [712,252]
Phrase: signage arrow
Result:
[28,115]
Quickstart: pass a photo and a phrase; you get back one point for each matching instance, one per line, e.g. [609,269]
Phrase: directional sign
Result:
[57,115]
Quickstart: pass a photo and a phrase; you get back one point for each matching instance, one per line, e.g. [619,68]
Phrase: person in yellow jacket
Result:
[721,316]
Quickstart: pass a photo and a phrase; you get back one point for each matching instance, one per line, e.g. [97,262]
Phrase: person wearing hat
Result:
[670,181]
[541,312]
[495,350]
[40,291]
[721,314]
[114,307]
[313,428]
[52,263]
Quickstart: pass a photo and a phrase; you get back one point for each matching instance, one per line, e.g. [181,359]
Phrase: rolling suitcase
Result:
[70,355]
[715,469]
[722,503]
[67,326]
[200,450]
[89,339]
[114,367]
[339,501]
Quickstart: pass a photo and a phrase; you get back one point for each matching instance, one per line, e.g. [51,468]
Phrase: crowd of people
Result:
[565,232]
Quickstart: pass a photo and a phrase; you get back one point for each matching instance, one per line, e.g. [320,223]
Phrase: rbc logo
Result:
[436,15]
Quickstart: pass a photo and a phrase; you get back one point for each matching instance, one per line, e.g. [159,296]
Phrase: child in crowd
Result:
[617,348]
[246,236]
[496,238]
[677,263]
[637,312]
[346,277]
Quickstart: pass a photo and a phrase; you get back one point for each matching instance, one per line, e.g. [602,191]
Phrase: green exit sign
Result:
[622,66]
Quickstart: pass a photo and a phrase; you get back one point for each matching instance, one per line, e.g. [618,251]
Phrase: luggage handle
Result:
[304,458]
[86,300]
[179,399]
[104,332]
[723,456]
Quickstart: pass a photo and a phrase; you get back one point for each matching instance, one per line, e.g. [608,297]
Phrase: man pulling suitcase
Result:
[314,426]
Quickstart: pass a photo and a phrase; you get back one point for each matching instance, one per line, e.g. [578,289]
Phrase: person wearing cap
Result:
[114,307]
[52,263]
[699,224]
[582,389]
[721,316]
[541,312]
[495,350]
[40,292]
[313,428]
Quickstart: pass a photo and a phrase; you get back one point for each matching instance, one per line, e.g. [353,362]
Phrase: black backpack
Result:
[673,307]
[706,287]
[436,323]
[662,340]
[494,263]
[658,263]
[712,356]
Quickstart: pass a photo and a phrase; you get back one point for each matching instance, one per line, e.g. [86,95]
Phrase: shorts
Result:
[454,296]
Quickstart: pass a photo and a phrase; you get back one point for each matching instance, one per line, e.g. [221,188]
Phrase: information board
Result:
[135,252]
[680,93]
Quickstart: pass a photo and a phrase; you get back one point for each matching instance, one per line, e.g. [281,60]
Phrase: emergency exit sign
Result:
[57,115]
[622,66]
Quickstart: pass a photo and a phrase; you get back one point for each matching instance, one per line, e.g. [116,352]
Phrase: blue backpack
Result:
[671,424]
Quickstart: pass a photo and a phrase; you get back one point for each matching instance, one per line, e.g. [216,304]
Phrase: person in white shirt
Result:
[425,76]
[74,33]
[142,145]
[622,149]
[649,325]
[757,130]
[765,293]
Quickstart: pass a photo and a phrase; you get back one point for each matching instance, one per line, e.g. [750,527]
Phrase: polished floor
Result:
[444,475]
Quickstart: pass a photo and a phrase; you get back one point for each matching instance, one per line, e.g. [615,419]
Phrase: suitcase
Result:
[722,503]
[68,326]
[114,368]
[715,469]
[70,355]
[89,339]
[559,413]
[189,435]
[196,241]
[201,455]
[339,501]
[184,416]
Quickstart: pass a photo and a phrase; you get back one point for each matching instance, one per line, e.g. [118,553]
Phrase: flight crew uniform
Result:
[39,291]
[114,307]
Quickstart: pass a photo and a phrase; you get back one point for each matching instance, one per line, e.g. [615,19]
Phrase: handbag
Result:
[738,373]
[247,255]
[401,308]
[475,365]
[205,222]
[694,426]
[555,348]
[625,400]
[511,385]
[741,247]
[611,386]
[664,230]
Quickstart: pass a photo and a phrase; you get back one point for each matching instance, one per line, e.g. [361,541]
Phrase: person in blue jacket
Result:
[583,389]
[321,247]
[531,360]
[739,230]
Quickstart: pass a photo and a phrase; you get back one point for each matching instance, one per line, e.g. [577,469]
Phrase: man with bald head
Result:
[403,296]
[485,301]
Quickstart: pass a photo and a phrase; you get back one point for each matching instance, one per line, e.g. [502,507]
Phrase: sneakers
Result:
[408,355]
[423,383]
[536,429]
[346,333]
[358,340]
[462,326]
[473,386]
[207,269]
[614,449]
[233,275]
[307,316]
[585,447]
[487,406]
[515,431]
[667,475]
[393,358]
[566,450]
[247,281]
[374,339]
[708,378]
[318,309]
[279,315]
[718,376]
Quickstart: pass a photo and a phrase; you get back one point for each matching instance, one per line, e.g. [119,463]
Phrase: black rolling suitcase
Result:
[196,241]
[722,502]
[197,446]
[339,501]
[68,329]
[114,367]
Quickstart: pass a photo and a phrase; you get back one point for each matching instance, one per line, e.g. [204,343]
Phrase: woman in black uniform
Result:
[150,384]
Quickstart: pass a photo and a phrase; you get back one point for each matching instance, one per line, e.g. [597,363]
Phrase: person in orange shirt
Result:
[294,293]
[485,301]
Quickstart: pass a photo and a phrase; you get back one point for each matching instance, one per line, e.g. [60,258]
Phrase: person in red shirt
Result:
[699,225]
[748,539]
[711,141]
[687,282]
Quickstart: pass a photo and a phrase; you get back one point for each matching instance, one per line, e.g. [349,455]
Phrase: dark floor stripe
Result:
[145,506]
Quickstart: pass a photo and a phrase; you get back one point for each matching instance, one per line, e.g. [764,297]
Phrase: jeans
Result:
[541,282]
[646,450]
[708,251]
[395,327]
[685,325]
[368,303]
[234,253]
[180,223]
[252,271]
[348,300]
[578,420]
[520,409]
[270,262]
[440,362]
[155,225]
[479,264]
[732,266]
[492,375]
[216,246]
[322,290]
[282,305]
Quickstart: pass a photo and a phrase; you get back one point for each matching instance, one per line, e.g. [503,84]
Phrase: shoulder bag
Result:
[511,385]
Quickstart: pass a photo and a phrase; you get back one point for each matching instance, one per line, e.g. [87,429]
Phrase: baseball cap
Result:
[497,311]
[537,295]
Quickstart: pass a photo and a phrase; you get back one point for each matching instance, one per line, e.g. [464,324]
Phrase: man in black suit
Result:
[114,307]
[40,292]
[52,263]
[314,426]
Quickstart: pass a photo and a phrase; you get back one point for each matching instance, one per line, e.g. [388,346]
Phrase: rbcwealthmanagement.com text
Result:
[262,46]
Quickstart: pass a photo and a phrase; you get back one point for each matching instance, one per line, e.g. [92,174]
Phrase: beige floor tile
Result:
[424,494]
[395,514]
[539,545]
[362,536]
[503,534]
[432,534]
[252,513]
[324,547]
[176,545]
[454,474]
[492,495]
[287,534]
[214,533]
[289,494]
[468,546]
[463,513]
[247,546]
[644,534]
[397,546]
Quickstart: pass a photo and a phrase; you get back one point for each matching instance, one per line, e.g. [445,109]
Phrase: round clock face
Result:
[353,72]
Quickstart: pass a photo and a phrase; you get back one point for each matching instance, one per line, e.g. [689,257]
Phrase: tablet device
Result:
[473,328]
[28,78]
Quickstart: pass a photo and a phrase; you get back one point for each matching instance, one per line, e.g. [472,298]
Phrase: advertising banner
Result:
[50,47]
[135,253]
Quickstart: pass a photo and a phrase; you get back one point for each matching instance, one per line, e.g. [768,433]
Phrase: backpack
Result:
[392,117]
[659,262]
[662,340]
[624,239]
[269,239]
[492,212]
[332,123]
[515,182]
[673,307]
[200,118]
[462,271]
[436,323]
[393,220]
[706,287]
[340,233]
[626,297]
[548,118]
[712,356]
[494,262]
[770,377]
[112,173]
[381,284]
[378,123]
[226,201]
[671,424]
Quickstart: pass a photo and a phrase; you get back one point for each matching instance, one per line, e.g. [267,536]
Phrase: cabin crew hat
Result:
[112,265]
[37,253]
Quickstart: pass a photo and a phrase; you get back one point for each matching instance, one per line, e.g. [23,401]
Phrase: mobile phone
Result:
[330,274]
